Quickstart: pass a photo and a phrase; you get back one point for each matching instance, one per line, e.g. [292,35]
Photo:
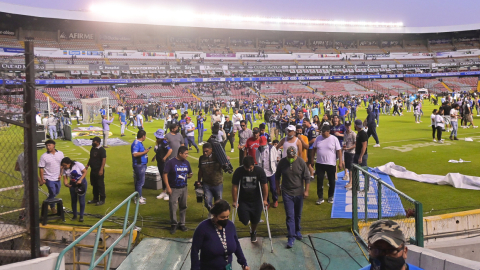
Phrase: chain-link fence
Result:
[14,219]
[373,199]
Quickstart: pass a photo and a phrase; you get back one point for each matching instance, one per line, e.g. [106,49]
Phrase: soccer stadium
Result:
[313,136]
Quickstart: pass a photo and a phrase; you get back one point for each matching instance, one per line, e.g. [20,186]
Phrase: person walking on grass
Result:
[454,122]
[97,161]
[162,153]
[433,119]
[440,125]
[123,122]
[293,182]
[106,129]
[175,174]
[139,160]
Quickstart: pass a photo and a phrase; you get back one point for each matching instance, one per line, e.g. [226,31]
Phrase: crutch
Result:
[235,211]
[265,212]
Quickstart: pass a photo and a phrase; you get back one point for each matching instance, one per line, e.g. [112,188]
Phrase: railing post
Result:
[365,193]
[95,246]
[379,199]
[419,223]
[355,180]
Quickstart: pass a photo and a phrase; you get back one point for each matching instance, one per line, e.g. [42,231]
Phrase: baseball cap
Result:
[348,123]
[188,118]
[292,151]
[388,231]
[159,133]
[291,127]
[96,139]
[359,123]
[255,130]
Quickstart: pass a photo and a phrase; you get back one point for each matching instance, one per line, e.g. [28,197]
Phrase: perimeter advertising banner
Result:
[7,32]
[77,35]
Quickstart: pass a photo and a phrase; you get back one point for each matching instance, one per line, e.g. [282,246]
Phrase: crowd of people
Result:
[278,157]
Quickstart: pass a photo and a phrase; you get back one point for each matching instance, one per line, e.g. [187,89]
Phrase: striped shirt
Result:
[51,165]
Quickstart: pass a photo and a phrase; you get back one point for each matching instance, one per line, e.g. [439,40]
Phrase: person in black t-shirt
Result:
[98,158]
[250,205]
[162,153]
[361,144]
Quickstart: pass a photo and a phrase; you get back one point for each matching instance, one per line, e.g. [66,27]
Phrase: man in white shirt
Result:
[38,118]
[237,117]
[50,171]
[139,120]
[190,133]
[52,127]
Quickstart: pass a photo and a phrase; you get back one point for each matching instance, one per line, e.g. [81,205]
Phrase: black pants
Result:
[434,129]
[330,170]
[240,156]
[439,133]
[230,139]
[372,131]
[130,121]
[98,185]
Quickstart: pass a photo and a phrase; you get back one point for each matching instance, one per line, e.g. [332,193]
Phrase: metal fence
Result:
[373,199]
[19,239]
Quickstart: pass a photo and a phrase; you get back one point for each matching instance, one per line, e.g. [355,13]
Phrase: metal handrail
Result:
[419,239]
[98,226]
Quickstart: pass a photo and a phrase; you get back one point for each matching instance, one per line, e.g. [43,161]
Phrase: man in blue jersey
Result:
[342,112]
[200,120]
[123,122]
[387,247]
[140,160]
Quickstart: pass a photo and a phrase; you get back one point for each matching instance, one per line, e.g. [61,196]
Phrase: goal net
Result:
[92,109]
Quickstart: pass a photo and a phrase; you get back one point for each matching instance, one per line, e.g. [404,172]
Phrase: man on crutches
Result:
[295,176]
[247,182]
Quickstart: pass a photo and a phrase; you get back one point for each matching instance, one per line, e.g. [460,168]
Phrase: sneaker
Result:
[330,200]
[253,237]
[377,145]
[92,202]
[183,228]
[299,235]
[455,138]
[100,203]
[290,242]
[434,140]
[166,198]
[451,138]
[73,218]
[80,219]
[54,211]
[173,229]
[275,204]
[162,195]
[441,141]
[233,150]
[320,201]
[345,177]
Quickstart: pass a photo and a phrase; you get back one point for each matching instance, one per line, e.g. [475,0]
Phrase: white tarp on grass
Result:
[453,179]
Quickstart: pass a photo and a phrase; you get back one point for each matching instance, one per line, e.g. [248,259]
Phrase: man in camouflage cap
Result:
[387,247]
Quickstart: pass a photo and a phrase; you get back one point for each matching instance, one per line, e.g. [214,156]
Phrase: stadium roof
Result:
[119,14]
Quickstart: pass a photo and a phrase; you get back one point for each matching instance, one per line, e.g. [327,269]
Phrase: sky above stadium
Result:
[413,13]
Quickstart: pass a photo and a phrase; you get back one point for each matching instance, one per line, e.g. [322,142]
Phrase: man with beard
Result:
[98,158]
[175,140]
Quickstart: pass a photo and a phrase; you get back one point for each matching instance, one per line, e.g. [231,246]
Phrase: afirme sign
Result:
[72,35]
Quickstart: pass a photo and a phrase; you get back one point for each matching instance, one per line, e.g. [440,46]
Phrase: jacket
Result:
[273,157]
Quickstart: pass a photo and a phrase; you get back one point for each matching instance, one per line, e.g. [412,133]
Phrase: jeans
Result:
[330,170]
[248,119]
[78,122]
[139,177]
[53,189]
[273,189]
[454,128]
[364,160]
[212,192]
[191,139]
[53,132]
[377,117]
[122,128]
[372,131]
[81,199]
[434,130]
[200,134]
[342,119]
[240,157]
[293,211]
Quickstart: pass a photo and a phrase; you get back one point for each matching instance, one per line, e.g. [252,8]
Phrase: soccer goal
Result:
[92,109]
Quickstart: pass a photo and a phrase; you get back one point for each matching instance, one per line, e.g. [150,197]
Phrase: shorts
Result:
[469,118]
[447,119]
[311,157]
[249,212]
[349,160]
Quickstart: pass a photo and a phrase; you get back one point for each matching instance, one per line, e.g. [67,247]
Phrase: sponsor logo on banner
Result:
[328,55]
[12,50]
[115,38]
[6,32]
[221,55]
[162,54]
[73,35]
[378,55]
[20,67]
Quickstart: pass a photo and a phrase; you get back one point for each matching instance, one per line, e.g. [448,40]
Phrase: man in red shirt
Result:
[252,144]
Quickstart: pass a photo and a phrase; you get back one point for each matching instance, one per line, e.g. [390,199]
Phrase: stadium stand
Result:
[390,86]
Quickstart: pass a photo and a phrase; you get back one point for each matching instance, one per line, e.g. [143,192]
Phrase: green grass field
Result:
[393,132]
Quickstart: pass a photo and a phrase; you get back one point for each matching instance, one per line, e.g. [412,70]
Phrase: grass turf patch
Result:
[393,132]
